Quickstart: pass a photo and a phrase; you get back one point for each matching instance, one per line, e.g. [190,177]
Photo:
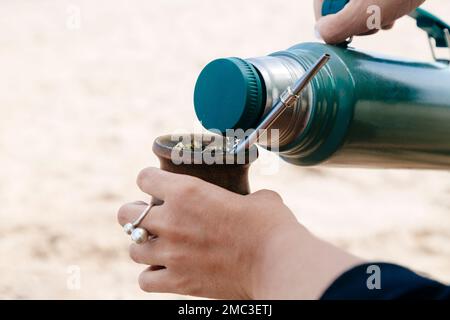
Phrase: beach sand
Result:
[82,103]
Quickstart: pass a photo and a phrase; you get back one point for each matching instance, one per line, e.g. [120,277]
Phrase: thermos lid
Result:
[229,94]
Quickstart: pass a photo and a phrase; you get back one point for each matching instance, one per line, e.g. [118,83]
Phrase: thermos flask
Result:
[361,110]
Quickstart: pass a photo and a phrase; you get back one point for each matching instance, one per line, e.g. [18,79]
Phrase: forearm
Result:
[249,247]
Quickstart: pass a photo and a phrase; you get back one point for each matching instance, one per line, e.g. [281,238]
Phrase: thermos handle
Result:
[333,6]
[435,28]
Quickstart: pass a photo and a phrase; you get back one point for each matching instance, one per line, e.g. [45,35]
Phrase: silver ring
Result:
[143,215]
[138,235]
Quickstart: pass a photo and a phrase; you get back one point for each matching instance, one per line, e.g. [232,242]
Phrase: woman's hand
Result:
[217,244]
[352,20]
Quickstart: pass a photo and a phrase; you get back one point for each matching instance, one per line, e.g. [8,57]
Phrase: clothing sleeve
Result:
[383,281]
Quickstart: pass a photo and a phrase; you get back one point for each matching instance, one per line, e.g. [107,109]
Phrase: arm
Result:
[217,244]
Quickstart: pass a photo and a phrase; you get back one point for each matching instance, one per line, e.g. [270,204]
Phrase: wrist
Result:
[294,264]
[273,255]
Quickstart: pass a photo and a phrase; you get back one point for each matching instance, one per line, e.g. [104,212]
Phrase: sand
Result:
[81,105]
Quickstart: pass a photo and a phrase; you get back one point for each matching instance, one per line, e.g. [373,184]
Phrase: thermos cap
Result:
[229,94]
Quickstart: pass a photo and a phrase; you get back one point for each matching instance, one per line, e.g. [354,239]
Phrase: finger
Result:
[156,182]
[388,26]
[158,281]
[151,252]
[369,33]
[128,213]
[350,21]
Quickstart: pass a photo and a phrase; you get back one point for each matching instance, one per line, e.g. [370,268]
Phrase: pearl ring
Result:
[138,234]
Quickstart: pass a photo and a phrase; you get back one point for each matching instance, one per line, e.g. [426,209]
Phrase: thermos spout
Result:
[286,100]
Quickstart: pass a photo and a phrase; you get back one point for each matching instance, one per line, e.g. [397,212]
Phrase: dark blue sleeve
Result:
[393,282]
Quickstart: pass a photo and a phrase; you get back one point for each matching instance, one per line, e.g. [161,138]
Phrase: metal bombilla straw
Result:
[287,99]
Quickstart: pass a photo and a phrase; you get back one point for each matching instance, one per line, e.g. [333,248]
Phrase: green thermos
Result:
[360,110]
